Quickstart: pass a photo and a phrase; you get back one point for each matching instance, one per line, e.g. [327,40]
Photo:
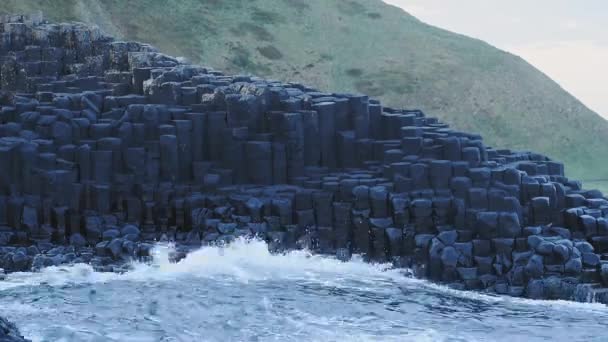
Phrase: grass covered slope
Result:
[369,47]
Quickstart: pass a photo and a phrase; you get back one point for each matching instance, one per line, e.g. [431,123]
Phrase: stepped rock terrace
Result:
[107,146]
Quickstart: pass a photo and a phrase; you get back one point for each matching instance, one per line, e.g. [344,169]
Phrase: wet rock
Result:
[562,252]
[226,228]
[535,266]
[534,241]
[137,146]
[129,248]
[448,237]
[604,273]
[467,273]
[110,234]
[545,248]
[20,261]
[100,249]
[77,240]
[574,266]
[9,332]
[449,257]
[130,230]
[590,259]
[343,254]
[423,240]
[535,289]
[395,240]
[584,246]
[41,261]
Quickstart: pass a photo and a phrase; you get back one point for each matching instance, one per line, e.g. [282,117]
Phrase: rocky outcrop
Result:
[9,333]
[109,144]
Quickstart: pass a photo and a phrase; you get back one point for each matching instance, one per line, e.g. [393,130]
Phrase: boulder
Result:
[110,234]
[9,332]
[573,266]
[449,257]
[129,230]
[590,259]
[535,267]
[604,274]
[77,240]
[20,261]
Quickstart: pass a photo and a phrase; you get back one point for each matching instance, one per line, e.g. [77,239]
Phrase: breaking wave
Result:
[244,292]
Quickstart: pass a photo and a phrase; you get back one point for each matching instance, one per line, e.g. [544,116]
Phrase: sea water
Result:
[242,292]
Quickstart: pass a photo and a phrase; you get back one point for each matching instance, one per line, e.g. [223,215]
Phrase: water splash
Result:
[244,259]
[248,260]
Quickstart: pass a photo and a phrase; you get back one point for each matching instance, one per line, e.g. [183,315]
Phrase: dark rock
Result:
[535,289]
[101,249]
[343,254]
[545,248]
[110,234]
[423,240]
[535,266]
[469,273]
[573,266]
[20,261]
[508,225]
[394,237]
[77,240]
[449,257]
[226,228]
[590,259]
[482,247]
[534,241]
[448,237]
[604,273]
[129,230]
[41,261]
[562,252]
[9,332]
[584,246]
[102,134]
[528,231]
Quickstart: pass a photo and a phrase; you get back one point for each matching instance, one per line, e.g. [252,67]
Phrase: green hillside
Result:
[363,46]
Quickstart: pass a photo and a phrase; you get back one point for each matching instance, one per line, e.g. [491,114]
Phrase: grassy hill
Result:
[363,46]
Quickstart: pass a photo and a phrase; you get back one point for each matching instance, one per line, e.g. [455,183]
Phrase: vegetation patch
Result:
[270,52]
[299,5]
[369,87]
[354,72]
[237,32]
[326,58]
[259,32]
[266,17]
[241,61]
[350,7]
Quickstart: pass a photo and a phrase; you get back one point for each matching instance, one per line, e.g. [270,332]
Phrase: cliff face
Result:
[367,47]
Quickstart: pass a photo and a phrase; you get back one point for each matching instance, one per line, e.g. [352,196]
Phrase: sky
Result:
[565,39]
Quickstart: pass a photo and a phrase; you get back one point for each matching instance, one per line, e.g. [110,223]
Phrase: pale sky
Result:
[566,39]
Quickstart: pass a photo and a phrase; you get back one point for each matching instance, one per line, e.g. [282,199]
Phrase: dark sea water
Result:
[243,293]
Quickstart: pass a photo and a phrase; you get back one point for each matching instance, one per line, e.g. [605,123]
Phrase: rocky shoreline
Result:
[111,146]
[9,332]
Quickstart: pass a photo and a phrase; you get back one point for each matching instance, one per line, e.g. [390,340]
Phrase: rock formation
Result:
[105,144]
[9,333]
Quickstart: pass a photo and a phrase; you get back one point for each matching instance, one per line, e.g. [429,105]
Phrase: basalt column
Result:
[327,135]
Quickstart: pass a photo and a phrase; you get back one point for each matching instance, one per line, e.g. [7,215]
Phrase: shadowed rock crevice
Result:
[110,145]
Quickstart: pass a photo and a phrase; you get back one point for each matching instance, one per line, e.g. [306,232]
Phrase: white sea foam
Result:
[244,260]
[249,260]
